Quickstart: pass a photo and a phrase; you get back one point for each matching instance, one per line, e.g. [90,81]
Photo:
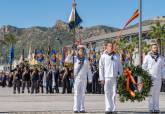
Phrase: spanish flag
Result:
[134,16]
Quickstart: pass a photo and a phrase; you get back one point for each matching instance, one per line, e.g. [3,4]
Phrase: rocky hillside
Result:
[55,36]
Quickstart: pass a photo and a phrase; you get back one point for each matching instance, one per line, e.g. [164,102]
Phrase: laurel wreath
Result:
[129,88]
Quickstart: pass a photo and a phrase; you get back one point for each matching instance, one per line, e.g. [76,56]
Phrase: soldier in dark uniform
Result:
[34,80]
[56,78]
[26,79]
[71,78]
[10,79]
[95,80]
[49,80]
[21,70]
[66,81]
[61,72]
[40,82]
[4,78]
[16,81]
[89,85]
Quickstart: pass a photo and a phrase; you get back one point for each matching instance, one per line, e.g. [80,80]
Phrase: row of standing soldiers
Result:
[48,79]
[36,79]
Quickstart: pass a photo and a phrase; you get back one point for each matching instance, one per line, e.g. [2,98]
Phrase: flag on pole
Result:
[39,55]
[74,19]
[63,56]
[134,16]
[53,56]
[11,55]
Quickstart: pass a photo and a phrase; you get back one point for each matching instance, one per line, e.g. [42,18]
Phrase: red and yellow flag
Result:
[134,16]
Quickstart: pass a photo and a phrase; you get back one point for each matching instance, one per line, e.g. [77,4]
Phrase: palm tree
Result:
[145,47]
[124,45]
[131,46]
[9,40]
[158,33]
[120,44]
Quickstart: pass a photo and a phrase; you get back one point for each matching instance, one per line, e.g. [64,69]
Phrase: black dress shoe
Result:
[75,111]
[83,111]
[109,112]
[156,111]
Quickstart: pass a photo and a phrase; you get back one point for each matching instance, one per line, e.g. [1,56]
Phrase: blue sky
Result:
[27,13]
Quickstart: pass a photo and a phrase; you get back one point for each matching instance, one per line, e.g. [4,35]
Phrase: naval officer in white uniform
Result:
[110,68]
[82,71]
[154,63]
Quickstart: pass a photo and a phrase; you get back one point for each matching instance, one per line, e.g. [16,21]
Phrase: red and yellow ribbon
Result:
[130,78]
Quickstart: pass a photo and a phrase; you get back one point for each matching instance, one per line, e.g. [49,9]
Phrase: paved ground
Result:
[62,104]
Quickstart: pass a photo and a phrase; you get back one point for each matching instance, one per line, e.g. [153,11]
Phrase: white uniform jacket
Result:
[109,66]
[155,69]
[85,71]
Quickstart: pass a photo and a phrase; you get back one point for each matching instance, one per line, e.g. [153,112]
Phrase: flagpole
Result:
[74,34]
[140,32]
[74,21]
[49,50]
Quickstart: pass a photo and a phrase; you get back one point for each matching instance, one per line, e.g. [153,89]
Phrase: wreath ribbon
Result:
[130,78]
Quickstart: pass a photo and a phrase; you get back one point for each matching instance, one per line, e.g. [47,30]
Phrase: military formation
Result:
[47,78]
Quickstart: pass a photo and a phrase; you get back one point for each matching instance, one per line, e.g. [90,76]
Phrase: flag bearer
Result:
[82,71]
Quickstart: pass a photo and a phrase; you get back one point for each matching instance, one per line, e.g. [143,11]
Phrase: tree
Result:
[158,32]
[126,48]
[145,47]
[9,40]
